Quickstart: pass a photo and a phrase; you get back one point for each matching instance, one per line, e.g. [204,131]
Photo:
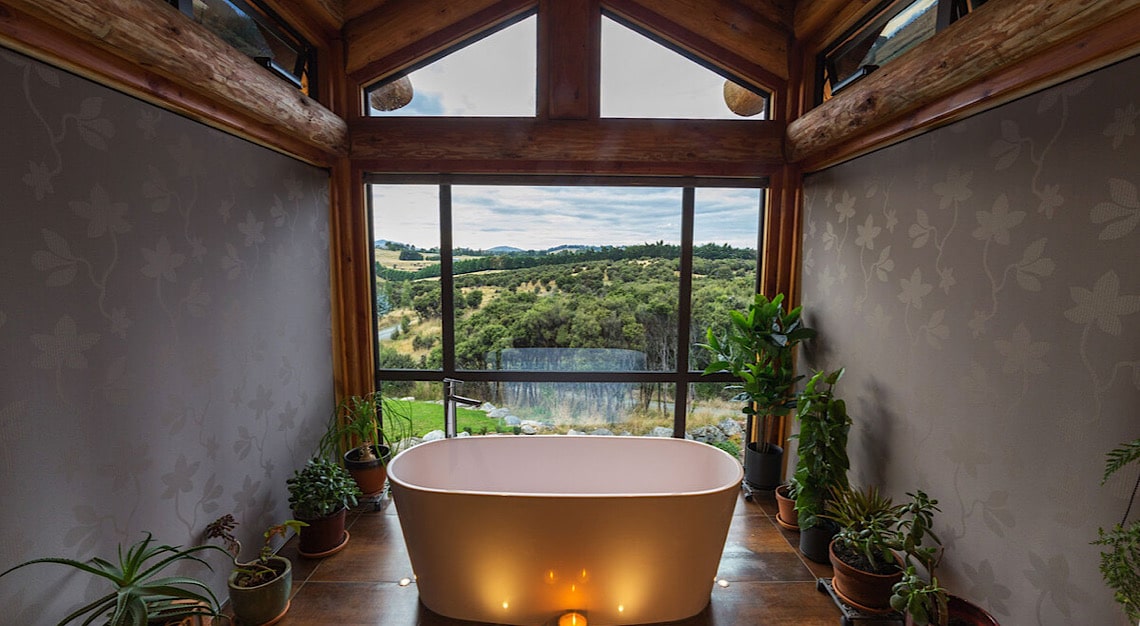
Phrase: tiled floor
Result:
[769,582]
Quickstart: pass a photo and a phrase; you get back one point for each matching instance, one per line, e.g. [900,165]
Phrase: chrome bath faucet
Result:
[449,401]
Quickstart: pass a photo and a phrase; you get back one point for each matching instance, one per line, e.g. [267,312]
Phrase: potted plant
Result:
[786,515]
[140,591]
[758,349]
[873,534]
[1120,562]
[357,439]
[320,494]
[822,462]
[924,602]
[259,589]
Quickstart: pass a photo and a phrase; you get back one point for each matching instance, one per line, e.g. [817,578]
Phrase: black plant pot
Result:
[814,540]
[762,466]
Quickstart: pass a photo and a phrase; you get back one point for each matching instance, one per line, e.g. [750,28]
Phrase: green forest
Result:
[607,297]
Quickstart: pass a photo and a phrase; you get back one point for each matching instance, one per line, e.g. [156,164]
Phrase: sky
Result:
[496,77]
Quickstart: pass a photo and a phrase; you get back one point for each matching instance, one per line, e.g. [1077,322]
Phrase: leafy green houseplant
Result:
[872,531]
[758,349]
[259,589]
[320,493]
[822,461]
[140,593]
[357,438]
[923,602]
[1120,561]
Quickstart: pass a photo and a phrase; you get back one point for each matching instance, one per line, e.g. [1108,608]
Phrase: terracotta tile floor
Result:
[769,582]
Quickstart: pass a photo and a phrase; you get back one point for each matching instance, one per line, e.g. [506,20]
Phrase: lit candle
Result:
[573,618]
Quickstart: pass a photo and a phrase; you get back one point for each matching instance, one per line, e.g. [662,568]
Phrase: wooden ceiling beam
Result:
[152,51]
[569,59]
[1001,39]
[722,32]
[817,23]
[319,21]
[723,148]
[404,32]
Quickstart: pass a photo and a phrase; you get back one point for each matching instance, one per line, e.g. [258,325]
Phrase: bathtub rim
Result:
[393,475]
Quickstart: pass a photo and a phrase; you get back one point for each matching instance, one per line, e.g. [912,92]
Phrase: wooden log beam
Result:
[722,32]
[569,59]
[1002,36]
[725,148]
[404,32]
[161,55]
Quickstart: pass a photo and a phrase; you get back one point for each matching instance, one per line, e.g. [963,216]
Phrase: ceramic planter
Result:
[323,536]
[863,590]
[786,515]
[969,613]
[369,475]
[762,467]
[815,541]
[266,603]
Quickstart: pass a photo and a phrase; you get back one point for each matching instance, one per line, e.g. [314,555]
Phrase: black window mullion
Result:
[684,312]
[446,281]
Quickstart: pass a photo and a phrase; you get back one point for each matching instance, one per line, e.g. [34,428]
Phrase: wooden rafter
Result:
[725,148]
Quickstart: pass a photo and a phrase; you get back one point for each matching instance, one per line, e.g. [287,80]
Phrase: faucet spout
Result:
[450,400]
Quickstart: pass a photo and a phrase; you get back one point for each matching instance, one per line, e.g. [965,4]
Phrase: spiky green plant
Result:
[874,528]
[1120,564]
[138,591]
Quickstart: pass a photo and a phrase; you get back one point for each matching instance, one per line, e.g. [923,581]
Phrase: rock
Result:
[433,435]
[511,420]
[602,432]
[575,432]
[661,431]
[486,407]
[463,433]
[527,429]
[708,434]
[497,413]
[626,433]
[730,427]
[408,399]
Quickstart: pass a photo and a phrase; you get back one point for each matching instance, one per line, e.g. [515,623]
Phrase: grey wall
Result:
[981,283]
[164,328]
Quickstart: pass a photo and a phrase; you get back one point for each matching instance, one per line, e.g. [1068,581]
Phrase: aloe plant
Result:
[138,590]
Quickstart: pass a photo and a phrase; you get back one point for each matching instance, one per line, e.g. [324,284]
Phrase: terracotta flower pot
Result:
[369,475]
[787,516]
[322,535]
[863,590]
[969,613]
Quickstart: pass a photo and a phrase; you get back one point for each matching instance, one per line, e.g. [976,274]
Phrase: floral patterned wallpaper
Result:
[981,284]
[164,329]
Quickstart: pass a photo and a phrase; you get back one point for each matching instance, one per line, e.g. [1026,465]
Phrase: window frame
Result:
[682,374]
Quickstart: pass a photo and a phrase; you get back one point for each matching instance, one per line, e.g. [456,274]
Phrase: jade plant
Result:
[140,591]
[757,349]
[822,461]
[258,571]
[320,489]
[925,602]
[1120,561]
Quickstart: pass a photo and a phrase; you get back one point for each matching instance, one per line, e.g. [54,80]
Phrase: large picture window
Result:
[566,306]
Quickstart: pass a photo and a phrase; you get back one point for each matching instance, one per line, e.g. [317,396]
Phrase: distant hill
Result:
[504,250]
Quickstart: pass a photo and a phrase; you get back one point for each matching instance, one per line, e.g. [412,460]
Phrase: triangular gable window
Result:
[644,79]
[493,76]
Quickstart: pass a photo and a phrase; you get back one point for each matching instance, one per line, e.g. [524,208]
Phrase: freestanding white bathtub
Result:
[521,530]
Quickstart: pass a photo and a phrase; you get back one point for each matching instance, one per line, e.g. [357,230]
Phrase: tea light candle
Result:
[573,618]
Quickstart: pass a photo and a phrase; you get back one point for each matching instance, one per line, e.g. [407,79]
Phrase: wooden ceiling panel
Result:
[779,12]
[723,32]
[403,32]
[817,23]
[319,21]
